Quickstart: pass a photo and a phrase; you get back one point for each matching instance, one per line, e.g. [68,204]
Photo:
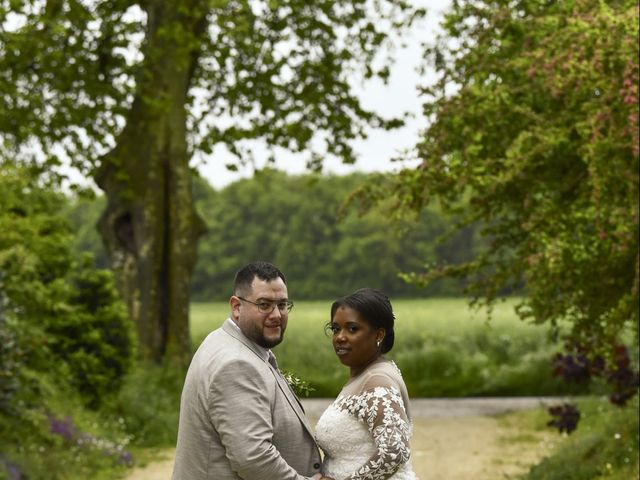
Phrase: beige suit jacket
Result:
[238,417]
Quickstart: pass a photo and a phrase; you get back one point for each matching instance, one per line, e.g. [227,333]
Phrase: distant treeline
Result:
[297,223]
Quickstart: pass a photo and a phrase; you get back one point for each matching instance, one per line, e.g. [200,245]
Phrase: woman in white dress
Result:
[365,432]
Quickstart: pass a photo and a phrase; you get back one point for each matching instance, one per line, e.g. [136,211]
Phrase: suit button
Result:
[316,466]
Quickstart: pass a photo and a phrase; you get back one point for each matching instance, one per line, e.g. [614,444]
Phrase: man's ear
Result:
[234,303]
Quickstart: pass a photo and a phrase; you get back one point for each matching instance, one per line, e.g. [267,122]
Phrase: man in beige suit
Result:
[239,419]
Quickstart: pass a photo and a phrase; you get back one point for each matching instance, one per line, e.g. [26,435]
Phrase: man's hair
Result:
[263,270]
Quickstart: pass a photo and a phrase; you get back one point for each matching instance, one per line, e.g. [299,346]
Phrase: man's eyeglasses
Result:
[268,307]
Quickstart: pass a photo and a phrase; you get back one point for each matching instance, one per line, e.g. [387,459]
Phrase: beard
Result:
[266,343]
[256,334]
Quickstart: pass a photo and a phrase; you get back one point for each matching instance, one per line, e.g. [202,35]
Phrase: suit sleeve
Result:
[240,410]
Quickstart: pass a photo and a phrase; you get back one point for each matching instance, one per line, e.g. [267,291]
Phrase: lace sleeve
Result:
[382,410]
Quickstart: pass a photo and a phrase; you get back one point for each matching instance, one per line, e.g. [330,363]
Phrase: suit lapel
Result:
[291,397]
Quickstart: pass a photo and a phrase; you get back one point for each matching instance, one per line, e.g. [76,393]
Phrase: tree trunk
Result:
[150,227]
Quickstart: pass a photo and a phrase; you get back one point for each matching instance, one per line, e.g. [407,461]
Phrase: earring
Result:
[378,343]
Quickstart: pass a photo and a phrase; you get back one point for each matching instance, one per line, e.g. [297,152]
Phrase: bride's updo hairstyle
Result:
[376,310]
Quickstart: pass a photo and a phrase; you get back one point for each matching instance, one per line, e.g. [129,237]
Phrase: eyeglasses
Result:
[268,307]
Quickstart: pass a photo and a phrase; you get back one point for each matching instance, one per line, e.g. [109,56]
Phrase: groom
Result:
[239,419]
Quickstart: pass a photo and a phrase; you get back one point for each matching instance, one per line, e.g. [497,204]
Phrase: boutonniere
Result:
[301,387]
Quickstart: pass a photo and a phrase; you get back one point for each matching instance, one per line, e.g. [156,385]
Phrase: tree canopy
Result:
[277,70]
[533,130]
[133,93]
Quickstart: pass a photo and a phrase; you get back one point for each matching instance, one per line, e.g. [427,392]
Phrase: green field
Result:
[442,347]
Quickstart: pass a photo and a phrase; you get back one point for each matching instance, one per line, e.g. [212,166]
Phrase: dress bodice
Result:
[365,432]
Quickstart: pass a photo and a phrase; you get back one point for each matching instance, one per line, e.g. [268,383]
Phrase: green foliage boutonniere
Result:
[302,388]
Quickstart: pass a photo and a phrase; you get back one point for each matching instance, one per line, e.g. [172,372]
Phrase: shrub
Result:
[475,363]
[95,336]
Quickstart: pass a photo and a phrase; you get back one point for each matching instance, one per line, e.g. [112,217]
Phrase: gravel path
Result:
[454,439]
[451,407]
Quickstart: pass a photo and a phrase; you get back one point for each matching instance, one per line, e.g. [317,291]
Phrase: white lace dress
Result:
[365,432]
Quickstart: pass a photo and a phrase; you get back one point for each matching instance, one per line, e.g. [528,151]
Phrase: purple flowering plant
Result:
[71,435]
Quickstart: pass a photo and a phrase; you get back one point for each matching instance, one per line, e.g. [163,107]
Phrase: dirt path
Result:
[452,440]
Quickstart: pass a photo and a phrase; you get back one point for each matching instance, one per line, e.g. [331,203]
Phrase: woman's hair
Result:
[375,308]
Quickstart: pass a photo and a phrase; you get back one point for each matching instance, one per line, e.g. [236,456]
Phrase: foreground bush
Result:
[66,341]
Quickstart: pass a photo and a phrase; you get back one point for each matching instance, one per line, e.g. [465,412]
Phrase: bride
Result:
[365,432]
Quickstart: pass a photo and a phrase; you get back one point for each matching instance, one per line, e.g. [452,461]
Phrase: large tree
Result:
[533,131]
[131,91]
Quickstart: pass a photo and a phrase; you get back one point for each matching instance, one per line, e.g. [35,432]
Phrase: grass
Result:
[442,347]
[206,317]
[604,446]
